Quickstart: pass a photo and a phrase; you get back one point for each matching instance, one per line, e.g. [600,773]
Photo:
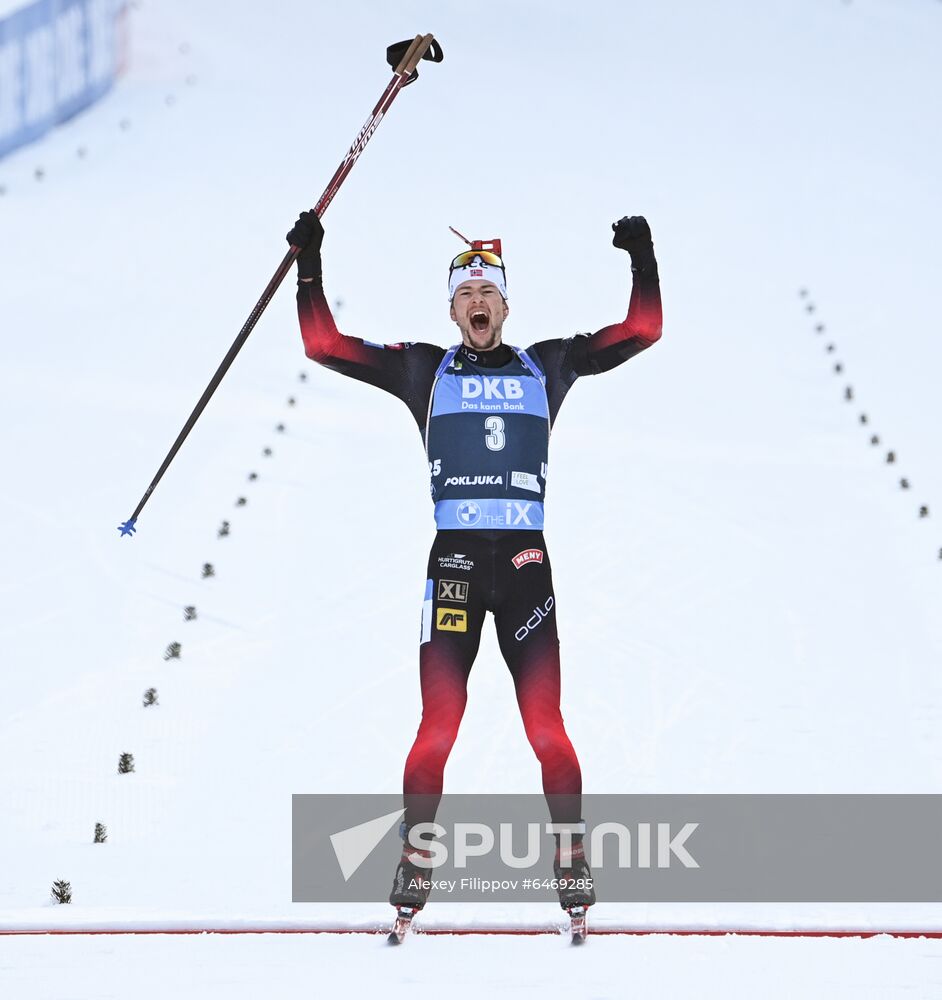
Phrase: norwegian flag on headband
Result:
[477,271]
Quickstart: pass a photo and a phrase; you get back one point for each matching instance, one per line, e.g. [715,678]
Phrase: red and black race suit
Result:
[474,572]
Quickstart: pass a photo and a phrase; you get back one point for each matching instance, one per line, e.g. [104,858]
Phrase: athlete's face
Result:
[479,310]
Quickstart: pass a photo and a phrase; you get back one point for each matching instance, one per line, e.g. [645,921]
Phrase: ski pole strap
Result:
[434,51]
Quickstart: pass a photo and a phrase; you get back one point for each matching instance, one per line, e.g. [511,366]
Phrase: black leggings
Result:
[508,574]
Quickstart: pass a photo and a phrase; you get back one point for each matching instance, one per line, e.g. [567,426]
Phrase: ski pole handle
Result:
[423,47]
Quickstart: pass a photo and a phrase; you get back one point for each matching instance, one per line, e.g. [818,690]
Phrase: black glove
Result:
[634,235]
[308,235]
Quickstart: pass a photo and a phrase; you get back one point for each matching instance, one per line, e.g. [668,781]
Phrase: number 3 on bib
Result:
[495,438]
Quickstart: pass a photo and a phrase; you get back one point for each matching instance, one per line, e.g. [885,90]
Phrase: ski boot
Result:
[575,884]
[410,890]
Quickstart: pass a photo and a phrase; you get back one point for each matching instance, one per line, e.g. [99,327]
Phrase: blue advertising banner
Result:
[56,57]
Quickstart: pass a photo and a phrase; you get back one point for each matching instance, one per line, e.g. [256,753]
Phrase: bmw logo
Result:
[469,513]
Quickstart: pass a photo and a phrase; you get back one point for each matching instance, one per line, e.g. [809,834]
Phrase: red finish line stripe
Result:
[626,932]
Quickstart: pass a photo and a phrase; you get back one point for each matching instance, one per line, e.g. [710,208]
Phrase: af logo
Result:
[453,590]
[451,620]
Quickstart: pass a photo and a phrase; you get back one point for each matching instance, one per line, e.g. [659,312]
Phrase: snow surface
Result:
[748,601]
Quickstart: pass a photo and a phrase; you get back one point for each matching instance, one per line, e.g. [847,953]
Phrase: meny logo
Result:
[527,556]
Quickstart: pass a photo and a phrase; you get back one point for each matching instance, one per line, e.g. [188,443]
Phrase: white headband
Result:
[477,270]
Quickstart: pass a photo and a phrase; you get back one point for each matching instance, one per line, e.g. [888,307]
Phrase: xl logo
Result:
[453,590]
[491,387]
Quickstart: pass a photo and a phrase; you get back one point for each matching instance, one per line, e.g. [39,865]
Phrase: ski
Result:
[577,922]
[404,915]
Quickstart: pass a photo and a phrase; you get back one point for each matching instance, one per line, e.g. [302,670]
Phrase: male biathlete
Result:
[485,410]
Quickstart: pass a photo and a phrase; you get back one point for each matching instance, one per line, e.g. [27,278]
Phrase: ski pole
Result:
[405,72]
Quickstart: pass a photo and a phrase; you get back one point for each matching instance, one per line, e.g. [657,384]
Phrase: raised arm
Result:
[566,360]
[402,369]
[612,345]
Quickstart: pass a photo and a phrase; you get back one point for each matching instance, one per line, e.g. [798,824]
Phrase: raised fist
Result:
[632,234]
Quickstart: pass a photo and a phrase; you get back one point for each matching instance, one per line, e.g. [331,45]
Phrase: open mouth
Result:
[479,321]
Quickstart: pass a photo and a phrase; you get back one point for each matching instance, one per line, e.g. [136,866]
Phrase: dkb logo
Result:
[491,387]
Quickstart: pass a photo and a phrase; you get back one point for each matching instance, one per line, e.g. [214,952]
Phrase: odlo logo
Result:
[534,622]
[491,387]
